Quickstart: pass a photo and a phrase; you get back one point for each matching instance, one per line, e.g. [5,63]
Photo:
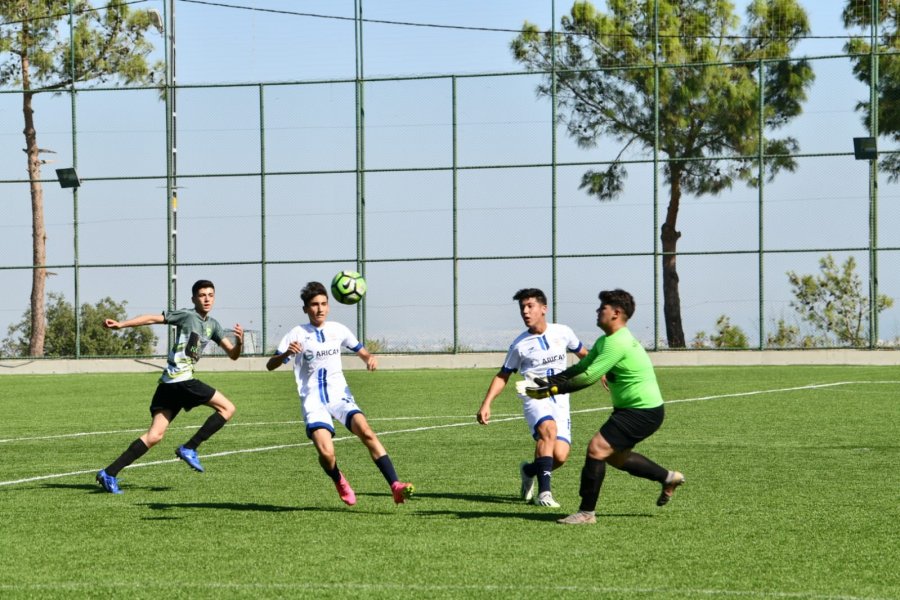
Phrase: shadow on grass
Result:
[236,506]
[493,514]
[93,487]
[244,507]
[537,514]
[467,497]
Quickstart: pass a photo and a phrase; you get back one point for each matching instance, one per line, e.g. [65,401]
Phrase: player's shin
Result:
[136,450]
[592,475]
[544,468]
[214,423]
[386,466]
[641,466]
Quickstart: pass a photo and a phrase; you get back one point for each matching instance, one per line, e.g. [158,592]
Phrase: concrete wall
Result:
[485,360]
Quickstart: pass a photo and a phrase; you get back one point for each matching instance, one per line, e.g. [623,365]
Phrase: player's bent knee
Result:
[599,448]
[152,439]
[223,406]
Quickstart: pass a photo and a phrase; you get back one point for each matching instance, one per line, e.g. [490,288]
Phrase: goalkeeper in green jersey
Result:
[637,405]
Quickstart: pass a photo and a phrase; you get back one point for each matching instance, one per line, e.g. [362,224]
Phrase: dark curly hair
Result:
[620,299]
[526,293]
[311,290]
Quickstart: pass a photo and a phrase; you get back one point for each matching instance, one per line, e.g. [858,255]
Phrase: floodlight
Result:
[68,178]
[865,148]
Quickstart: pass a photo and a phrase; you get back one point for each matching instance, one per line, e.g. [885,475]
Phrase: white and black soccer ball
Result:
[348,287]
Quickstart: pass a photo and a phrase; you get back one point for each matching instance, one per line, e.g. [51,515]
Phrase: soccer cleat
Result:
[579,518]
[190,457]
[668,489]
[546,499]
[402,491]
[345,491]
[108,482]
[527,489]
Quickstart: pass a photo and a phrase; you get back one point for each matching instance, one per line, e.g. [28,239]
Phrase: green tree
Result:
[701,340]
[860,14]
[726,335]
[36,56]
[606,86]
[785,335]
[96,340]
[834,302]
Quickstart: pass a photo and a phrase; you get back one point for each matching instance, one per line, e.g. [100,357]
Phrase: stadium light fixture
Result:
[865,148]
[68,178]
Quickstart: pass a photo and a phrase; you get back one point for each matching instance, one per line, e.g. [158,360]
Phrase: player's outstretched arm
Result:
[149,319]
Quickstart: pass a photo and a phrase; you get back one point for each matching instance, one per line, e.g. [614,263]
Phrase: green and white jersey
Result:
[192,334]
[628,370]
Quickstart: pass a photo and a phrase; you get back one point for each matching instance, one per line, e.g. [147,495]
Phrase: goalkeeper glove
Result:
[547,386]
[542,391]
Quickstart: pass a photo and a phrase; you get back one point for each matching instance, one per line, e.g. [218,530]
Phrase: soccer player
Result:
[538,351]
[178,388]
[637,405]
[315,349]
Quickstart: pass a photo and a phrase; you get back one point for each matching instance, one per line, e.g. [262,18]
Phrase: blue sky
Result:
[824,204]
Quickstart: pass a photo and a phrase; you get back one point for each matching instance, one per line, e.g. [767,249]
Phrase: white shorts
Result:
[556,408]
[318,413]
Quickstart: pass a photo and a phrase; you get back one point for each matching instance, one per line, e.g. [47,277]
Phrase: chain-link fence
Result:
[450,192]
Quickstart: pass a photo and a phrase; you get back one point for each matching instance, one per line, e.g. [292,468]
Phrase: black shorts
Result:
[180,395]
[628,426]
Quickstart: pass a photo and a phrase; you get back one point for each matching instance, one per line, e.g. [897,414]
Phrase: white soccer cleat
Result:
[579,518]
[546,499]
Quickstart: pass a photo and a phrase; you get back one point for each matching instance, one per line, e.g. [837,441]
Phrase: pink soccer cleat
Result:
[402,491]
[345,491]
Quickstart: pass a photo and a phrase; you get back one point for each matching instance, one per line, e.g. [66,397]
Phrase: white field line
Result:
[469,422]
[143,429]
[428,588]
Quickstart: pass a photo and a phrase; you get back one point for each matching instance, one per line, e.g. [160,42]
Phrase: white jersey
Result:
[541,354]
[317,368]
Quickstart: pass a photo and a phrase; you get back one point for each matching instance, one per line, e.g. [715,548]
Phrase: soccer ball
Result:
[348,287]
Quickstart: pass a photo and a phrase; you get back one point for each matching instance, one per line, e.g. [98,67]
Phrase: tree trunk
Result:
[38,232]
[669,237]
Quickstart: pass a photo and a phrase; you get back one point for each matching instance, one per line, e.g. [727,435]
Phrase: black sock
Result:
[544,467]
[592,475]
[641,466]
[387,468]
[529,469]
[334,473]
[136,450]
[214,423]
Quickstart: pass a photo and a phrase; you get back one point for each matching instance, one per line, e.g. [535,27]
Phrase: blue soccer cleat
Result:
[108,482]
[190,457]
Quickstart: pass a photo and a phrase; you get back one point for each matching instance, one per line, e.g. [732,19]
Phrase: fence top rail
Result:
[439,76]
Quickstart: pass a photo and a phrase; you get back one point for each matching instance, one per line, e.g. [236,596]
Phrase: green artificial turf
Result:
[792,492]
